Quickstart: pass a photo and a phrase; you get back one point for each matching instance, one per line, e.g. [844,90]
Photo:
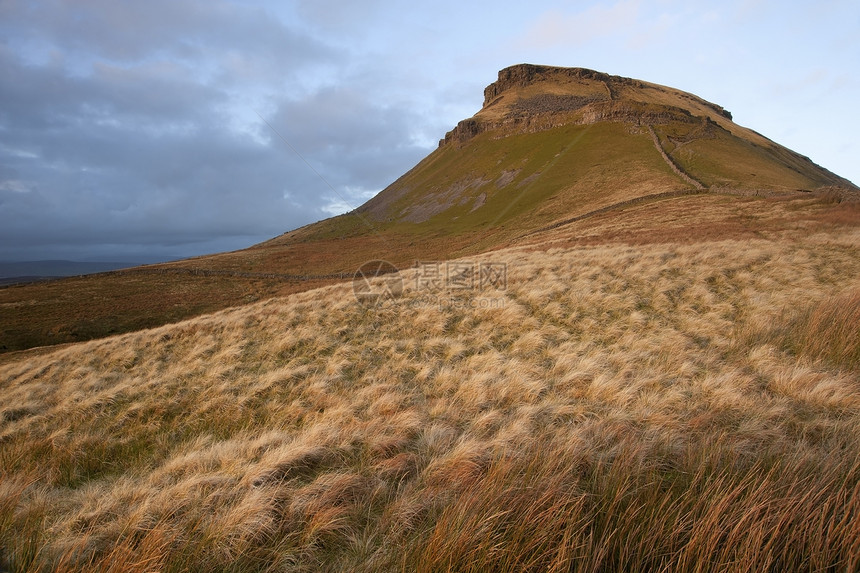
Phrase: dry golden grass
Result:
[657,407]
[827,330]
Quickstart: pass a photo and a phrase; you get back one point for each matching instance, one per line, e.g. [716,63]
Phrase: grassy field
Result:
[645,394]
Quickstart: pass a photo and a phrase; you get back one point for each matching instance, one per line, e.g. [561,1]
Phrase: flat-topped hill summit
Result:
[525,92]
[550,79]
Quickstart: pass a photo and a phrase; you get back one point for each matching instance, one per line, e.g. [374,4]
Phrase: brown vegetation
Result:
[827,330]
[618,407]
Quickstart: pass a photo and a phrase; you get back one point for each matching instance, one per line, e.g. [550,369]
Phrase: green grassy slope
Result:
[723,160]
[576,167]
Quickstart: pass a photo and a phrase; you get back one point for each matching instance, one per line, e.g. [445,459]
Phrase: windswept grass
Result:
[608,411]
[700,509]
[826,330]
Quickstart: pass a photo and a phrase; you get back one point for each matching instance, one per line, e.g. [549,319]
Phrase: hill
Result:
[56,268]
[549,145]
[554,142]
[33,271]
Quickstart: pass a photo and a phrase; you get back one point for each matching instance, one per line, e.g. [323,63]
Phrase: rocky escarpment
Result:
[522,75]
[548,111]
[572,95]
[465,130]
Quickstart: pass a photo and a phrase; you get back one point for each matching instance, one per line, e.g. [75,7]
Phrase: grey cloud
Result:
[193,30]
[360,137]
[341,17]
[129,128]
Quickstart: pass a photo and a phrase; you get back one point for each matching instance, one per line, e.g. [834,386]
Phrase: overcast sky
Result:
[138,131]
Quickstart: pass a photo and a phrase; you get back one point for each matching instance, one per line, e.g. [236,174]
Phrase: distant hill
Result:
[25,271]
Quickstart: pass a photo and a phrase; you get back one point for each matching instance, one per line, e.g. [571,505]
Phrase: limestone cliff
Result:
[529,97]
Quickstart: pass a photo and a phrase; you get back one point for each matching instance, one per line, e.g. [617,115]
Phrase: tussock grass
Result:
[647,511]
[825,330]
[612,412]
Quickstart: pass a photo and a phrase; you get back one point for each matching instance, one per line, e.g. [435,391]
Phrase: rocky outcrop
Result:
[465,130]
[548,111]
[577,96]
[552,103]
[636,113]
[527,74]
